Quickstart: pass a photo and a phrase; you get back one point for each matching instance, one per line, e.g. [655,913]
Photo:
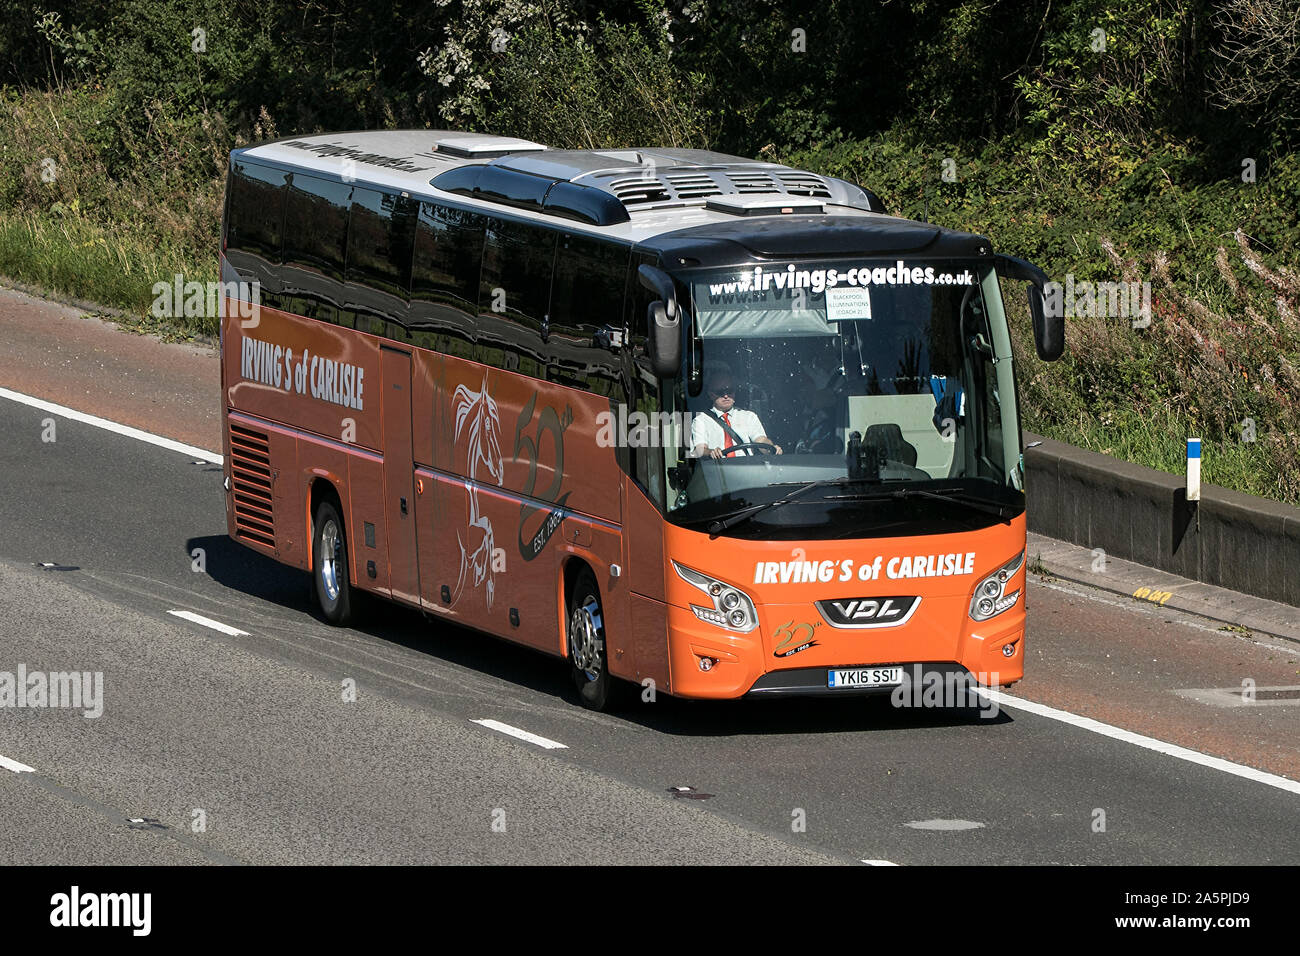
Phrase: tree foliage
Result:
[1101,138]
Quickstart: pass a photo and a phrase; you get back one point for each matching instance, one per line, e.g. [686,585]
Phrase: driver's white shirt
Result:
[706,430]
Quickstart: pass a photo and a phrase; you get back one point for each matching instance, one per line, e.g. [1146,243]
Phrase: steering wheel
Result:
[760,445]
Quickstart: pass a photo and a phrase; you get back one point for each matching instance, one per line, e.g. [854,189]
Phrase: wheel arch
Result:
[320,488]
[570,570]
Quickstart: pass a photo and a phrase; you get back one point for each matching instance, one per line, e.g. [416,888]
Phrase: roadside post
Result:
[1194,477]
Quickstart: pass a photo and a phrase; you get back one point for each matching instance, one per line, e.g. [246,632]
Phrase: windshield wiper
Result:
[722,524]
[975,502]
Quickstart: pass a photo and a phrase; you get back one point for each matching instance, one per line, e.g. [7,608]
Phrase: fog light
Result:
[706,663]
[1008,650]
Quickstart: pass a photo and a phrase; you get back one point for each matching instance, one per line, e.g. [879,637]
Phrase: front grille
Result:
[250,483]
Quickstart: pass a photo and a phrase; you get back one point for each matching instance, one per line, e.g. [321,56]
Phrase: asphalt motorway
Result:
[247,749]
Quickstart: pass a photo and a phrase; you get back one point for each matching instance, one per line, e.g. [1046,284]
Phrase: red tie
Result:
[726,435]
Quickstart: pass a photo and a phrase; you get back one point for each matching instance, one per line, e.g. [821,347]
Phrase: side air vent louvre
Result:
[250,484]
[754,183]
[804,184]
[639,190]
[685,184]
[693,185]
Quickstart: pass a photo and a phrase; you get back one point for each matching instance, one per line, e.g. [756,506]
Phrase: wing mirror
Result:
[664,321]
[1049,327]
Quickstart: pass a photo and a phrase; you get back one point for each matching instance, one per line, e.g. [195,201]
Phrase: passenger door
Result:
[399,476]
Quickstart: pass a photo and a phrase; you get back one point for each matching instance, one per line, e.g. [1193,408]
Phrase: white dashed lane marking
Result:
[944,825]
[521,734]
[208,622]
[14,765]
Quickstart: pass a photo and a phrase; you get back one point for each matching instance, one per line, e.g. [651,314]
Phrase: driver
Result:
[707,434]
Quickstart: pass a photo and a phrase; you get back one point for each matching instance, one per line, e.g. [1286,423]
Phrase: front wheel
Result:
[587,659]
[330,565]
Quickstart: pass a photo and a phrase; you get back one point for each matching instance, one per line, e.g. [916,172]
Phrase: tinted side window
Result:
[514,294]
[646,463]
[315,244]
[381,238]
[445,275]
[586,297]
[639,299]
[448,253]
[256,207]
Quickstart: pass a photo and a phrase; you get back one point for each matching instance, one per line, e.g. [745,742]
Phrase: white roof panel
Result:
[406,161]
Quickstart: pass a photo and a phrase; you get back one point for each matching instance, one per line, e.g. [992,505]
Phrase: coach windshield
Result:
[864,376]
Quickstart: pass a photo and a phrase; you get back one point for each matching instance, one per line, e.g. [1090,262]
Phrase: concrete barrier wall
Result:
[1232,540]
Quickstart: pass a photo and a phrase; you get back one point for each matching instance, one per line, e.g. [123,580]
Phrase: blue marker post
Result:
[1194,475]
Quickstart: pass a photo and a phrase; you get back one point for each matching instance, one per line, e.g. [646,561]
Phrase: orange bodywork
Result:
[939,630]
[467,490]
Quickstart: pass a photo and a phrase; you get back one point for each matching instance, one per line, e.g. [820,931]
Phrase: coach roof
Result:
[631,194]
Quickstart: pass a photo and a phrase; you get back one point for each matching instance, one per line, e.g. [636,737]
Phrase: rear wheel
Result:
[587,661]
[330,565]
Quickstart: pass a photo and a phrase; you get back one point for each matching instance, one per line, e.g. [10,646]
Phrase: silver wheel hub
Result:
[331,548]
[587,638]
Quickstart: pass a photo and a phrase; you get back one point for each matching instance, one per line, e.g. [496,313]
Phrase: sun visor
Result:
[735,323]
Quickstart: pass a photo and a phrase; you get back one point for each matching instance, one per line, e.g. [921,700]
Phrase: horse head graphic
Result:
[476,414]
[476,417]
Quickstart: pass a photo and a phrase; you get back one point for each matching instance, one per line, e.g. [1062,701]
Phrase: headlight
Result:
[731,608]
[991,597]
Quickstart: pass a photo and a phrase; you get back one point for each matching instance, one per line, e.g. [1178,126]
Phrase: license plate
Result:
[865,677]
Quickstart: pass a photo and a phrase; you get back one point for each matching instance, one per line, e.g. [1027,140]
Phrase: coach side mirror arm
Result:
[661,284]
[1048,323]
[663,322]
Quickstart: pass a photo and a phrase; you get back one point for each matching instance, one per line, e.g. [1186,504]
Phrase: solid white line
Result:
[521,734]
[107,425]
[14,765]
[208,622]
[1140,740]
[878,863]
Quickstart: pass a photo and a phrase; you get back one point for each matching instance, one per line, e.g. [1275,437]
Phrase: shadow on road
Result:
[257,576]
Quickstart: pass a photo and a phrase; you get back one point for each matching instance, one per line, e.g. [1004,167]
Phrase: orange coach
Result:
[687,420]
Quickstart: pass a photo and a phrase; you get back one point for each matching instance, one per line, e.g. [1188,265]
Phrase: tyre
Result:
[587,660]
[330,564]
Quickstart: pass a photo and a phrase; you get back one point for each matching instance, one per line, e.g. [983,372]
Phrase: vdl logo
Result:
[868,612]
